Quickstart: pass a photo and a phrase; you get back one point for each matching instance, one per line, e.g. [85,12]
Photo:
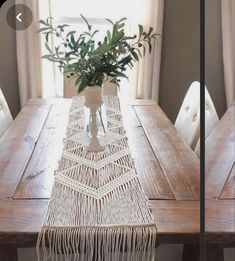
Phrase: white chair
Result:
[70,90]
[211,119]
[5,115]
[188,120]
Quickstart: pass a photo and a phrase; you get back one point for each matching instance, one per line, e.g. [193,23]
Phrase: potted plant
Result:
[92,62]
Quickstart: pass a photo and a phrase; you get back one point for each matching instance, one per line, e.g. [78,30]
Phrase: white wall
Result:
[180,62]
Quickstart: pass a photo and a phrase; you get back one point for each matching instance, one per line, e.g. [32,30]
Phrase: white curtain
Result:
[228,32]
[145,80]
[36,76]
[28,57]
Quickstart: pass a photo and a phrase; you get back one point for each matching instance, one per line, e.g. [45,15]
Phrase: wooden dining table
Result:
[220,186]
[167,168]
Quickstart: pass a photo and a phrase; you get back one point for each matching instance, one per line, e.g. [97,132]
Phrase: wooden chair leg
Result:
[8,253]
[190,252]
[214,252]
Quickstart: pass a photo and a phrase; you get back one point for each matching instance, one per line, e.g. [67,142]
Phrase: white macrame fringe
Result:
[110,243]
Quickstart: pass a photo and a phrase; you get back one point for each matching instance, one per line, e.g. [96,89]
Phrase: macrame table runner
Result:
[98,210]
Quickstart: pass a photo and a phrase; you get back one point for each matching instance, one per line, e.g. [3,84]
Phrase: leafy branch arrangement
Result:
[90,62]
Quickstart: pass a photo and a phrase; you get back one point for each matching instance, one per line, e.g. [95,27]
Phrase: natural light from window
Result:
[68,12]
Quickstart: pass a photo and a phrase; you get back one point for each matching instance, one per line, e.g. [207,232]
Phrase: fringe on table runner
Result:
[97,243]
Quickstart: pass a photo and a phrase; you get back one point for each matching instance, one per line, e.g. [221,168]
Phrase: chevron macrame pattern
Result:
[99,193]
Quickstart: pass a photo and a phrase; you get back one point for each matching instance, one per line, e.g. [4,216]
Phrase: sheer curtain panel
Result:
[29,57]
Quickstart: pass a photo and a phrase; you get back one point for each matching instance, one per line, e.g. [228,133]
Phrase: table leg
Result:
[8,253]
[190,252]
[214,252]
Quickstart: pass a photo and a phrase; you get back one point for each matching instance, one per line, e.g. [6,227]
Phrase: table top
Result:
[220,158]
[167,168]
[220,176]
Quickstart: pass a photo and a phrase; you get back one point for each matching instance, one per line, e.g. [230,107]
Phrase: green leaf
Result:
[52,59]
[144,50]
[86,33]
[50,32]
[111,74]
[131,64]
[150,47]
[69,53]
[138,52]
[134,54]
[48,47]
[88,25]
[42,29]
[141,29]
[82,85]
[70,33]
[122,19]
[49,19]
[64,25]
[109,36]
[47,37]
[145,35]
[128,37]
[114,80]
[119,26]
[78,80]
[125,60]
[120,74]
[73,40]
[105,40]
[96,31]
[46,56]
[60,68]
[57,49]
[43,22]
[110,21]
[150,31]
[118,36]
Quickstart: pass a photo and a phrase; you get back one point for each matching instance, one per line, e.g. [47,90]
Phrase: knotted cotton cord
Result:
[98,210]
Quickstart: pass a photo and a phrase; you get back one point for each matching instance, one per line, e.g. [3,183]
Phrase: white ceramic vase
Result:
[93,101]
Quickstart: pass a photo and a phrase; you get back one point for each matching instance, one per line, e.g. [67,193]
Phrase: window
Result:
[137,11]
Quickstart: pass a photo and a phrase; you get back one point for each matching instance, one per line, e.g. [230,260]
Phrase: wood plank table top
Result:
[29,152]
[220,180]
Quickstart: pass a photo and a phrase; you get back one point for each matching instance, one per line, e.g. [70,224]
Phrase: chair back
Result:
[211,119]
[188,120]
[5,115]
[70,90]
